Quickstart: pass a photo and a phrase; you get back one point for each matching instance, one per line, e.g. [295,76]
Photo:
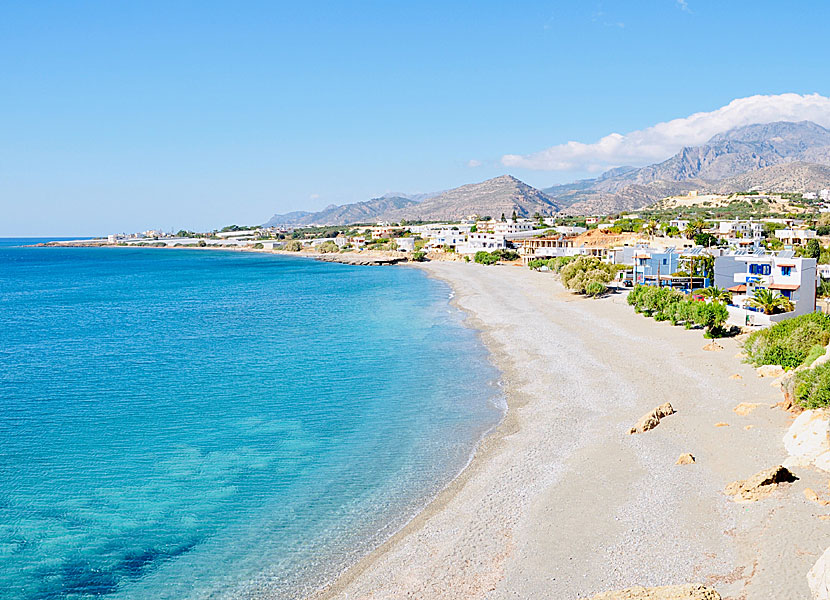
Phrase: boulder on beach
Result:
[770,371]
[652,419]
[760,485]
[685,459]
[818,579]
[744,408]
[713,347]
[807,441]
[667,592]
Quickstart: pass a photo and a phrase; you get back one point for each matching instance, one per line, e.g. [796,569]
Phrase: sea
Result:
[182,424]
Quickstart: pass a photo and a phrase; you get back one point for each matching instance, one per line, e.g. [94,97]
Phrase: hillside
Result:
[715,165]
[493,197]
[359,212]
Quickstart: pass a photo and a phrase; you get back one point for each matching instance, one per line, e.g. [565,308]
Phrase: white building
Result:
[483,241]
[405,244]
[681,224]
[569,229]
[795,237]
[744,273]
[505,228]
[451,238]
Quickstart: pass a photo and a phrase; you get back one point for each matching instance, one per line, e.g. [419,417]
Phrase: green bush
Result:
[595,288]
[294,246]
[483,257]
[258,246]
[580,273]
[789,342]
[813,354]
[419,256]
[811,387]
[328,247]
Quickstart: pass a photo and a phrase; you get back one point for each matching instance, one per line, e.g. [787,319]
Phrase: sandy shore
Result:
[560,502]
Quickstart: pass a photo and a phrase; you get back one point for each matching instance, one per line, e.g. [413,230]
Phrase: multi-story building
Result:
[795,237]
[743,273]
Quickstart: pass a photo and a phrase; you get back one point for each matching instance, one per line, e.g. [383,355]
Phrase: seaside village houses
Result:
[741,264]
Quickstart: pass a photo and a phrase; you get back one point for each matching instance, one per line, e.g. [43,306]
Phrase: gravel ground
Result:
[560,502]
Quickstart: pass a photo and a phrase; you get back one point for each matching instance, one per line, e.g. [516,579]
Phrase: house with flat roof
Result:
[795,237]
[743,273]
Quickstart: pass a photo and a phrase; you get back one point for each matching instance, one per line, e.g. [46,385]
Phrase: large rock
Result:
[807,441]
[652,419]
[770,371]
[760,485]
[819,577]
[668,592]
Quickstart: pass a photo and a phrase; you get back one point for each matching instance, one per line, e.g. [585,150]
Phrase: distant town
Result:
[741,243]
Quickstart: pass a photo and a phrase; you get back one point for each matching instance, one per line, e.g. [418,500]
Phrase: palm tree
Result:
[770,302]
[650,228]
[716,294]
[689,231]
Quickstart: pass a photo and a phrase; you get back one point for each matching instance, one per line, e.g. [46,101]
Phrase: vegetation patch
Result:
[811,387]
[788,343]
[667,304]
[587,275]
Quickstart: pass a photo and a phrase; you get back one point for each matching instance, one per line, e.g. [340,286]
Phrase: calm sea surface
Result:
[201,424]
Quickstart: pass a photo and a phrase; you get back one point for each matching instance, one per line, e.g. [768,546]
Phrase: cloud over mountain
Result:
[664,139]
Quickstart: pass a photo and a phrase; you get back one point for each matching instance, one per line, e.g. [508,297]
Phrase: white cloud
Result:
[683,6]
[473,163]
[660,141]
[313,196]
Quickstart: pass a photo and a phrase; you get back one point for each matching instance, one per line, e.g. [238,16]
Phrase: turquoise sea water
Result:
[200,424]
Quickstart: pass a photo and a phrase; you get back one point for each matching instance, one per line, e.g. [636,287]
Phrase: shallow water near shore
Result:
[186,424]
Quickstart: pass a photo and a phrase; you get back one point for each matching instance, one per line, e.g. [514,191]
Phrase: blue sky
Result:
[122,116]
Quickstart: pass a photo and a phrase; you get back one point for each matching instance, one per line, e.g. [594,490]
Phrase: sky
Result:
[121,116]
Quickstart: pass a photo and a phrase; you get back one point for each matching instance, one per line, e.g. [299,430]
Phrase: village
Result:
[781,258]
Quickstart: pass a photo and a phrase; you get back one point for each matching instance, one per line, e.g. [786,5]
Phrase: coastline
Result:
[558,501]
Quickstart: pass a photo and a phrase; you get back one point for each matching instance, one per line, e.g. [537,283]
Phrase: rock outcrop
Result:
[760,485]
[807,441]
[819,577]
[668,592]
[652,419]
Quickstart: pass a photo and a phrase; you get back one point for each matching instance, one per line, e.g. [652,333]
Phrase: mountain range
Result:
[494,197]
[782,156]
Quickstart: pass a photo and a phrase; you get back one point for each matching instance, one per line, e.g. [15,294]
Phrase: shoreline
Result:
[533,538]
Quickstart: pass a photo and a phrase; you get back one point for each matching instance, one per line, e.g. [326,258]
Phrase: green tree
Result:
[715,294]
[812,249]
[515,217]
[770,302]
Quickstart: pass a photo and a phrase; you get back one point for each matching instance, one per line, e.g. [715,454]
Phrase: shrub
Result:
[328,247]
[202,243]
[811,387]
[595,288]
[712,316]
[578,274]
[789,342]
[258,246]
[419,256]
[294,246]
[813,354]
[483,257]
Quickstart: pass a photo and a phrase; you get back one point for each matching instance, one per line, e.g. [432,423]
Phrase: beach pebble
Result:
[721,424]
